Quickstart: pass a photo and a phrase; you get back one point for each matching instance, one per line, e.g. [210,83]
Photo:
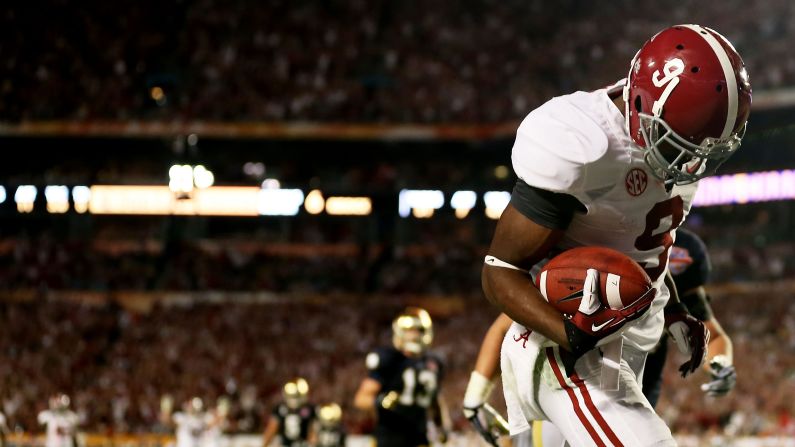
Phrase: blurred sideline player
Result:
[330,432]
[61,422]
[403,385]
[690,267]
[292,421]
[190,423]
[617,167]
[4,431]
[215,421]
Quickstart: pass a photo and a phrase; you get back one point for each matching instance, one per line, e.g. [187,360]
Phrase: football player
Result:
[215,422]
[403,384]
[190,423]
[61,422]
[330,431]
[690,267]
[616,167]
[292,421]
[4,431]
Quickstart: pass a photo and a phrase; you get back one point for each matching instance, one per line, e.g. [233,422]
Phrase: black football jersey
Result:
[294,424]
[331,437]
[416,380]
[690,267]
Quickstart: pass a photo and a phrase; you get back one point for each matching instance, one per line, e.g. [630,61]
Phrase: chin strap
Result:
[494,262]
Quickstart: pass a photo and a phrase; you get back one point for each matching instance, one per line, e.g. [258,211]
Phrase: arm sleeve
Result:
[697,302]
[546,208]
[696,274]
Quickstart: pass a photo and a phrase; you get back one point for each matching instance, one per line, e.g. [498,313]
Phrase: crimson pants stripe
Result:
[595,412]
[574,404]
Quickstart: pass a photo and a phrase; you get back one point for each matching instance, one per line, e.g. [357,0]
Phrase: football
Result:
[621,280]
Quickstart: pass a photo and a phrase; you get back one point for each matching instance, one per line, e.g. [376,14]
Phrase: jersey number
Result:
[658,233]
[412,394]
[292,426]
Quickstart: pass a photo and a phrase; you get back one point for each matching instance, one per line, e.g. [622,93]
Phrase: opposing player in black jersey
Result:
[292,421]
[403,384]
[690,267]
[330,432]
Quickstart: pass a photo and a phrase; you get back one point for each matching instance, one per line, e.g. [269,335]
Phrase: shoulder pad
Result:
[554,144]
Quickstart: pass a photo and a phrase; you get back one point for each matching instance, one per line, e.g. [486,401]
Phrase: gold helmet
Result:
[295,392]
[330,415]
[412,331]
[59,402]
[195,405]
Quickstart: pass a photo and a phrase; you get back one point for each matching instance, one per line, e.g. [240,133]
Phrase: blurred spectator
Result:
[119,365]
[348,60]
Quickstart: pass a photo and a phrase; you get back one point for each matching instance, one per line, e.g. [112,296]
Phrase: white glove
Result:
[724,377]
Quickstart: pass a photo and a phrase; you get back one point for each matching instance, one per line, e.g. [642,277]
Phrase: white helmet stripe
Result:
[728,73]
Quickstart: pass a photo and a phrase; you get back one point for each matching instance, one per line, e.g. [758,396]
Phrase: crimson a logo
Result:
[636,181]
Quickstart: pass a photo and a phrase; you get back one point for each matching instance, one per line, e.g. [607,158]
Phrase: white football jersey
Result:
[61,427]
[577,144]
[212,435]
[190,428]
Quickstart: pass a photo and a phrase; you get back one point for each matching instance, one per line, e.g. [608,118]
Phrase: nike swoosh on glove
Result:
[595,320]
[689,334]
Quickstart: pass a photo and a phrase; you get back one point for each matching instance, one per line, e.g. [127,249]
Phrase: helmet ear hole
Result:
[638,104]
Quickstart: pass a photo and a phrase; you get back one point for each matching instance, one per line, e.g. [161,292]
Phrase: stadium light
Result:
[279,202]
[81,196]
[57,197]
[746,188]
[202,177]
[422,202]
[271,183]
[160,200]
[25,196]
[496,201]
[349,206]
[314,203]
[462,202]
[180,178]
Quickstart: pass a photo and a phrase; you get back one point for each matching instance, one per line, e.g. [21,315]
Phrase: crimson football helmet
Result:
[687,100]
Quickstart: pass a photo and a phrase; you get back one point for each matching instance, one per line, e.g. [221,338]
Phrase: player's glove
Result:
[477,411]
[689,334]
[724,377]
[489,424]
[387,400]
[595,319]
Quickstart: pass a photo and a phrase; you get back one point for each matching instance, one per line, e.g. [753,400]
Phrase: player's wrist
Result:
[720,361]
[580,341]
[478,390]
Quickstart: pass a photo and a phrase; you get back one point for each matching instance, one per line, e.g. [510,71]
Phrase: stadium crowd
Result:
[118,364]
[435,263]
[348,60]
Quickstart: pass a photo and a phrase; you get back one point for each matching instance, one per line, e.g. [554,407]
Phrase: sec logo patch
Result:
[636,181]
